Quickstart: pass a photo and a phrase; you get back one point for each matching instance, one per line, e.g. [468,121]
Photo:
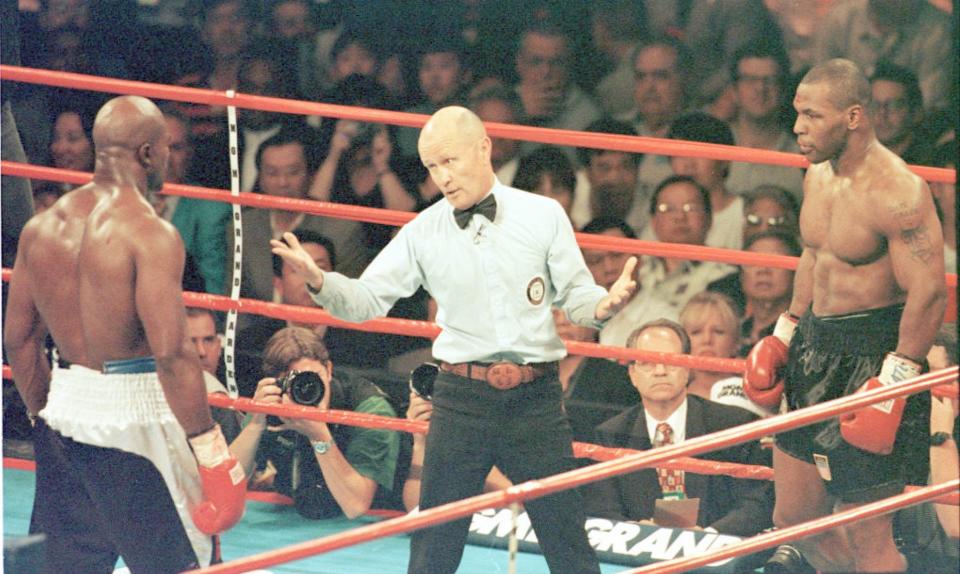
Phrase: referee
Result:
[495,259]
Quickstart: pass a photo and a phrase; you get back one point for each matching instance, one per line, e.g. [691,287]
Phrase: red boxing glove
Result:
[874,428]
[223,482]
[763,377]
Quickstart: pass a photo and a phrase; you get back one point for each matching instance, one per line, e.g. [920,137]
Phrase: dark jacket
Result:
[732,506]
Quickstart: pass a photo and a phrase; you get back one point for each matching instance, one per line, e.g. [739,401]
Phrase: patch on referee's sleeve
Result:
[536,289]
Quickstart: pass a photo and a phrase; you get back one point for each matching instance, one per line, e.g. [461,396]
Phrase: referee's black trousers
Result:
[525,433]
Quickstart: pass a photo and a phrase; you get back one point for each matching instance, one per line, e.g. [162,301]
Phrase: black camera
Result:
[304,387]
[422,378]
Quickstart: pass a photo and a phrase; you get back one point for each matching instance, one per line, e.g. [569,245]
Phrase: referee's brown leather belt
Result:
[503,375]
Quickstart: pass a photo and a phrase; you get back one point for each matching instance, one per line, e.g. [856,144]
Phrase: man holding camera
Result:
[328,470]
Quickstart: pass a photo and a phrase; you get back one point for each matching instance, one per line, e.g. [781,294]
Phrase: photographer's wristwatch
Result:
[320,446]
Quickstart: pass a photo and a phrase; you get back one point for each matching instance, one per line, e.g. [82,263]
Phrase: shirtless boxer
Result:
[117,418]
[869,295]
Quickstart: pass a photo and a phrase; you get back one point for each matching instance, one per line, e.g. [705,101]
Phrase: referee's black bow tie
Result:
[487,207]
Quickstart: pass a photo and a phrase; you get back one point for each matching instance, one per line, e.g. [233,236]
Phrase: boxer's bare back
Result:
[101,271]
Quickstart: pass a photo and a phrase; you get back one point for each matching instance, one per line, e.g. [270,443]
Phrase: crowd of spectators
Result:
[716,72]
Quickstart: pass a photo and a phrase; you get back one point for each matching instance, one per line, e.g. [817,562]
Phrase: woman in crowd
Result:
[767,290]
[769,207]
[71,147]
[712,322]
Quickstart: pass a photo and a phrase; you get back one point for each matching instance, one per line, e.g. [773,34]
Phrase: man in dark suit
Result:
[667,414]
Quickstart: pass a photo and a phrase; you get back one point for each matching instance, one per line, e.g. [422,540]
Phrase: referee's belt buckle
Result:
[502,375]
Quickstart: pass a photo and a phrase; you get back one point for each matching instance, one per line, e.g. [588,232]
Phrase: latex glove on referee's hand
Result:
[298,259]
[620,293]
[223,483]
[874,428]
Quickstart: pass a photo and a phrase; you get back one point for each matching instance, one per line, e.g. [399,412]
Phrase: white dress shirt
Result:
[494,281]
[677,421]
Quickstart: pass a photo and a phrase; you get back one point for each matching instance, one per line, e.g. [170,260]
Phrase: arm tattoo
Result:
[914,233]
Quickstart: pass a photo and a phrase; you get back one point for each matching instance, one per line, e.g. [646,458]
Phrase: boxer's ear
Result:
[855,115]
[145,155]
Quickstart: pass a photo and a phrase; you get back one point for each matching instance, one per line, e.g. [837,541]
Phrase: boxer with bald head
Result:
[868,299]
[496,260]
[118,415]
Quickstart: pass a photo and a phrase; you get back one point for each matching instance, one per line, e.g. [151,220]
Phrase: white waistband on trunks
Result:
[129,412]
[79,395]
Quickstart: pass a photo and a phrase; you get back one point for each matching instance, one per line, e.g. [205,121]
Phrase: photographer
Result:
[326,469]
[420,409]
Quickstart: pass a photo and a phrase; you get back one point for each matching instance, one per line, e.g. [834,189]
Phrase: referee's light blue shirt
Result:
[494,282]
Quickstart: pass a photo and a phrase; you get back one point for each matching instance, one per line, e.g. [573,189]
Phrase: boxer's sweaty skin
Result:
[102,272]
[869,227]
[44,293]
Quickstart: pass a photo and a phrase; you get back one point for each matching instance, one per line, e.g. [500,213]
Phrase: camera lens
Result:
[307,388]
[421,379]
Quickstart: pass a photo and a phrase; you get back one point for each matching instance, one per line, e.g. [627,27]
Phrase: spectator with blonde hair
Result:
[713,324]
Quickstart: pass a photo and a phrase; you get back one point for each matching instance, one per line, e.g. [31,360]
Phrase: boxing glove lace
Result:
[763,376]
[874,428]
[222,481]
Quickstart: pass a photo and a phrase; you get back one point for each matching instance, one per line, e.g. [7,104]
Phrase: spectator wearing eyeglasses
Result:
[726,229]
[680,212]
[767,210]
[662,67]
[668,414]
[770,208]
[545,84]
[759,71]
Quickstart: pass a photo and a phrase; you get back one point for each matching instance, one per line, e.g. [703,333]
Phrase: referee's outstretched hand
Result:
[620,292]
[298,259]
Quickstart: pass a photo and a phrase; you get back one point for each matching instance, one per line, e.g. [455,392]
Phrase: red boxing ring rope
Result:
[639,144]
[429,330]
[623,460]
[578,477]
[398,218]
[777,537]
[580,449]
